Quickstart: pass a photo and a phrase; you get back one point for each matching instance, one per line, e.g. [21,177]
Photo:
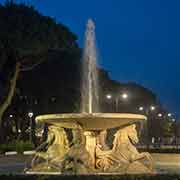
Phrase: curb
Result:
[11,153]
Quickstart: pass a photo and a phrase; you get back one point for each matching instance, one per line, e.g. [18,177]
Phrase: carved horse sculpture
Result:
[75,158]
[57,145]
[124,157]
[61,156]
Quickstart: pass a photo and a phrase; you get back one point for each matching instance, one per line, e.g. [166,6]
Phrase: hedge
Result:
[18,146]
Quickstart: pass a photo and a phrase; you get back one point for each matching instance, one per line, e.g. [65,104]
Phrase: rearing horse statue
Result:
[124,157]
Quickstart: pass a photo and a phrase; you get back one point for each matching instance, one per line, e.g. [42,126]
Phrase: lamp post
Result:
[169,114]
[173,120]
[141,108]
[147,112]
[123,96]
[109,96]
[152,108]
[175,130]
[30,114]
[160,115]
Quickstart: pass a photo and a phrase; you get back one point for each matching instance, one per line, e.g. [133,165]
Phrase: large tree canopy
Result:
[28,32]
[26,36]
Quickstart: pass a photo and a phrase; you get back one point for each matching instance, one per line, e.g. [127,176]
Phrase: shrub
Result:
[22,146]
[7,147]
[19,146]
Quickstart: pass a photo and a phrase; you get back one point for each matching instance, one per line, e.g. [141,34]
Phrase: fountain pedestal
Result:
[88,152]
[91,142]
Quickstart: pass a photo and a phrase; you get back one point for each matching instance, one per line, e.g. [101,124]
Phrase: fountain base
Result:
[88,153]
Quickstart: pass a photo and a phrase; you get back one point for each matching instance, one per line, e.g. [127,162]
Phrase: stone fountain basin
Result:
[94,121]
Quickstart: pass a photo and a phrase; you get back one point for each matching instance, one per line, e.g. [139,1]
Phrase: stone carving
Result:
[57,146]
[101,140]
[88,153]
[77,160]
[124,156]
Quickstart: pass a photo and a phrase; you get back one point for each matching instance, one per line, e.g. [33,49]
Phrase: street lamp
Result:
[141,108]
[173,120]
[152,108]
[159,115]
[10,115]
[169,114]
[108,96]
[147,111]
[30,114]
[124,96]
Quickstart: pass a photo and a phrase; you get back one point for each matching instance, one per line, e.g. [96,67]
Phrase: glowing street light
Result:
[124,96]
[119,98]
[152,108]
[10,115]
[159,115]
[141,108]
[169,114]
[108,96]
[173,120]
[148,110]
[30,114]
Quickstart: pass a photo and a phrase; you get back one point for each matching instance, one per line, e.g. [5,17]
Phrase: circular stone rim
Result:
[132,116]
[95,121]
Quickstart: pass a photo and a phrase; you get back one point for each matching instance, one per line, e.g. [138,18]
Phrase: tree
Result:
[168,128]
[26,36]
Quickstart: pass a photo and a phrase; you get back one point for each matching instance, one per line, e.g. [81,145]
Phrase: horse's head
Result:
[132,134]
[126,135]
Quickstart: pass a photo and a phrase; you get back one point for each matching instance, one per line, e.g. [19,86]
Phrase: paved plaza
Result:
[164,163]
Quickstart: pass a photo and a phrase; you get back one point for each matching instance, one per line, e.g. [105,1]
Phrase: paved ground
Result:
[165,163]
[14,164]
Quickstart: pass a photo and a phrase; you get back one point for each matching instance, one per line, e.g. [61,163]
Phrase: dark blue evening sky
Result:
[138,40]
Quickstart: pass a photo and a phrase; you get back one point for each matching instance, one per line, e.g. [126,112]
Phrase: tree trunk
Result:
[33,131]
[45,133]
[11,92]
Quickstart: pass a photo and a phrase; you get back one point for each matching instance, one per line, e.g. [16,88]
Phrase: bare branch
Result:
[41,58]
[32,66]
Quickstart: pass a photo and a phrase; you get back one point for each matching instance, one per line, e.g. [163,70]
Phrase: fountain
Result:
[87,151]
[90,90]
